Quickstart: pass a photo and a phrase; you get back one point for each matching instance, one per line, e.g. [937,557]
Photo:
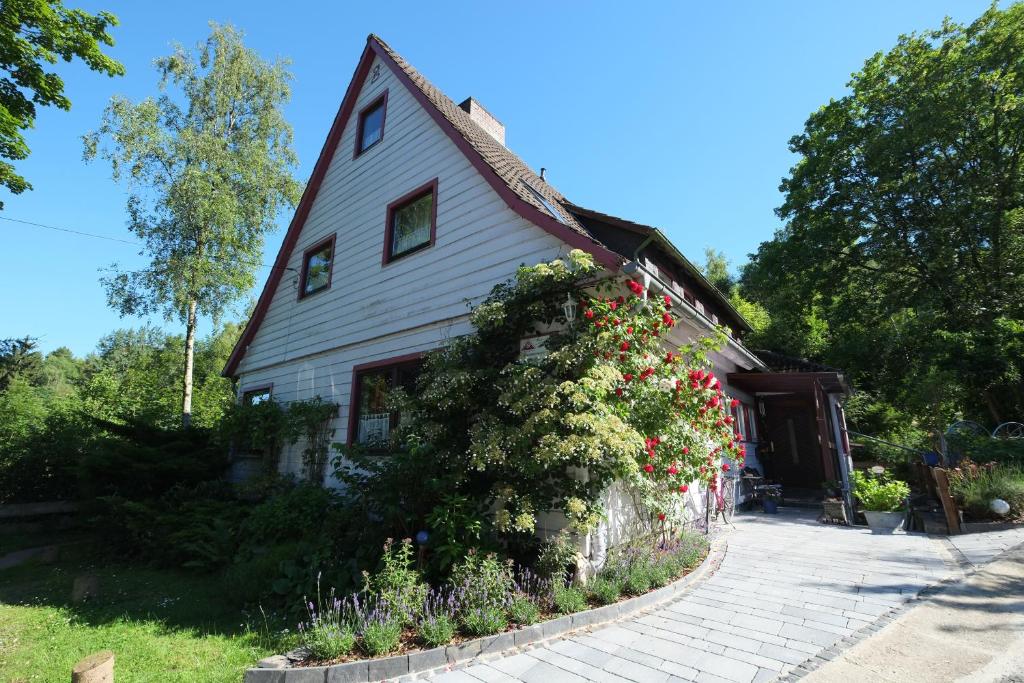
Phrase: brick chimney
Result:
[484,119]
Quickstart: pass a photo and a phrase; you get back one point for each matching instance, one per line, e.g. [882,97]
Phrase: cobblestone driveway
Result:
[787,589]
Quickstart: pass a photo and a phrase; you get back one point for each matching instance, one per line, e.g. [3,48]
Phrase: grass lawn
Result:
[162,625]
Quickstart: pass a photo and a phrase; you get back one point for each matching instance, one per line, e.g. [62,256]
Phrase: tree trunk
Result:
[190,344]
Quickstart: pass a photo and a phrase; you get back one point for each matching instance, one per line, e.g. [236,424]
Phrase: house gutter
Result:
[635,267]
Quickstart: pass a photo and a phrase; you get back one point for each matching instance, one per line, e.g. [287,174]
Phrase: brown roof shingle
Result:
[512,170]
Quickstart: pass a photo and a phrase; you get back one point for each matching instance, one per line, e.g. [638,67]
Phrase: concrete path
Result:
[787,589]
[969,632]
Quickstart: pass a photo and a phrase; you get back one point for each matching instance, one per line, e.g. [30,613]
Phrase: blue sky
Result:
[673,114]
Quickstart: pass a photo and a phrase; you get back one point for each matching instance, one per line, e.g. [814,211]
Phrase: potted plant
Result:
[881,498]
[771,497]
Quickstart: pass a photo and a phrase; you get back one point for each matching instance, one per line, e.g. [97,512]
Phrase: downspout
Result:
[839,431]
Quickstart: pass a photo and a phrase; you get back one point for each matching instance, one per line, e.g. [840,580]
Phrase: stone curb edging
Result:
[440,659]
[960,568]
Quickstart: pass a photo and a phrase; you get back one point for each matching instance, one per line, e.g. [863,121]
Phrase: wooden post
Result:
[948,504]
[96,668]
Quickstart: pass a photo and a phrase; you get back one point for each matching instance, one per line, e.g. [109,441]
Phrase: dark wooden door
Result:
[795,452]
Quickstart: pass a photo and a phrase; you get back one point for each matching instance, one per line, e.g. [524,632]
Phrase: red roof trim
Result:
[348,103]
[373,48]
[531,213]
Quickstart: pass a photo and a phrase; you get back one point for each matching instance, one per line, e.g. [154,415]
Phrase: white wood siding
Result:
[372,312]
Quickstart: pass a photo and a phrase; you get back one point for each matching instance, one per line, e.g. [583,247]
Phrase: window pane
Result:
[256,396]
[411,226]
[318,270]
[373,126]
[374,419]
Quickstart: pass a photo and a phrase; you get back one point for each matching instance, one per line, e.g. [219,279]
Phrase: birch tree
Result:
[208,166]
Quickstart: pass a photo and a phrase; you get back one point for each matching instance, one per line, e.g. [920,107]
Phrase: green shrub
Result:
[485,581]
[976,486]
[397,584]
[638,579]
[523,611]
[140,462]
[981,448]
[557,554]
[879,493]
[569,599]
[660,573]
[484,621]
[605,590]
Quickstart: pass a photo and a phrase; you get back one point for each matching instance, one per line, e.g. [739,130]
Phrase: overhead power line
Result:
[82,233]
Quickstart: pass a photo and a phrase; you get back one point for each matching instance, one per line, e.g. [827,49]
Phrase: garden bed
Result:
[290,668]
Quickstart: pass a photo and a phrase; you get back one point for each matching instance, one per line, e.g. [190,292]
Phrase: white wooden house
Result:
[414,210]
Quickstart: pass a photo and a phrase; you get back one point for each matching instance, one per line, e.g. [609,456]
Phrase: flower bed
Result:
[481,619]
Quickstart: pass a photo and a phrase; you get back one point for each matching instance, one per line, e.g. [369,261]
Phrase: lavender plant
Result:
[438,618]
[330,630]
[380,625]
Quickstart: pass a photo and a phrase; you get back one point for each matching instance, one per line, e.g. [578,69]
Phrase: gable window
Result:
[372,419]
[411,222]
[317,265]
[257,395]
[370,129]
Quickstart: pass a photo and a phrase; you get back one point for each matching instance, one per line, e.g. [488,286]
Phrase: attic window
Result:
[370,130]
[545,203]
[317,264]
[411,222]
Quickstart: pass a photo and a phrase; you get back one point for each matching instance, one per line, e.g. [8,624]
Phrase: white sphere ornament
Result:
[999,506]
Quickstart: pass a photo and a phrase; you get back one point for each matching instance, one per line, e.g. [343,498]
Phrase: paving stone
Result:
[488,674]
[542,672]
[808,635]
[757,624]
[637,672]
[580,652]
[783,654]
[589,671]
[724,667]
[515,665]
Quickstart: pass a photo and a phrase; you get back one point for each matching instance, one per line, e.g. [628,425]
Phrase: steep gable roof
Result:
[503,170]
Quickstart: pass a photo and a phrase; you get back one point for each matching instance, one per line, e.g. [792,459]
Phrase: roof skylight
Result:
[545,203]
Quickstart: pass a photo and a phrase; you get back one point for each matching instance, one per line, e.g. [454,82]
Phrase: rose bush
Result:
[514,438]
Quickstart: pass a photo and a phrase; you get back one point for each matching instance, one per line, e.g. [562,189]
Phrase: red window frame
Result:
[399,204]
[355,397]
[307,255]
[381,101]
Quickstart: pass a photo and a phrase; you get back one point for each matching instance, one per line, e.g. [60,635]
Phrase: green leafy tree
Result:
[904,226]
[716,270]
[133,377]
[34,33]
[19,359]
[208,168]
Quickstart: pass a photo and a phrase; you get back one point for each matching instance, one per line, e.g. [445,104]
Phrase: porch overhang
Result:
[788,382]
